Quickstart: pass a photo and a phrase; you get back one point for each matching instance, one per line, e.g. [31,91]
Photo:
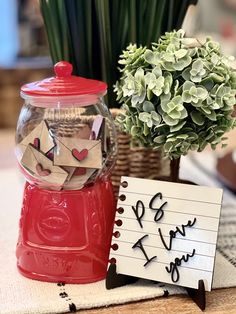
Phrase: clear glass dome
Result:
[65,142]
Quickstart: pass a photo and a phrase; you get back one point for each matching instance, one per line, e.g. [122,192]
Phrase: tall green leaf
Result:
[91,34]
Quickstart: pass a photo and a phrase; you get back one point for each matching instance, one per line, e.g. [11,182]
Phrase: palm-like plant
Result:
[91,34]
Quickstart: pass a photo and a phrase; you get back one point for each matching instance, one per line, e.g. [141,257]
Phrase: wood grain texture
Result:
[222,301]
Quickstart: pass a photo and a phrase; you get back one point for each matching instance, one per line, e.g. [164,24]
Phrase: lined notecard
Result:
[166,231]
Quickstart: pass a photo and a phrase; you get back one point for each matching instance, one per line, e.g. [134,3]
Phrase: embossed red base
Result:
[65,236]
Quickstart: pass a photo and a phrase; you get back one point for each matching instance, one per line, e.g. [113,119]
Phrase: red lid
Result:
[64,84]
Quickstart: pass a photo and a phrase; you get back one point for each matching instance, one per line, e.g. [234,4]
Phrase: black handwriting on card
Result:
[173,269]
[159,214]
[139,245]
[139,209]
[139,215]
[173,233]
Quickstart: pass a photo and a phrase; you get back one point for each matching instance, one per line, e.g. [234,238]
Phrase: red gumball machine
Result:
[65,147]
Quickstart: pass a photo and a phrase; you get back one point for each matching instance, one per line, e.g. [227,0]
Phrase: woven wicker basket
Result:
[137,162]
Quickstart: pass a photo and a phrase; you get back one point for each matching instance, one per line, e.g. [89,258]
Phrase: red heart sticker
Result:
[36,143]
[42,172]
[80,171]
[50,155]
[79,155]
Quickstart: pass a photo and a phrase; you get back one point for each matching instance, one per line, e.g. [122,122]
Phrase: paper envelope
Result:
[41,132]
[77,182]
[70,171]
[38,164]
[63,155]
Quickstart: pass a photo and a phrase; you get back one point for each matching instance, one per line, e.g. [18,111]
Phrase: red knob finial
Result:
[63,69]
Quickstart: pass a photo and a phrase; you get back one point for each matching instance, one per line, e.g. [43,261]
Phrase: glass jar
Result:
[65,134]
[65,147]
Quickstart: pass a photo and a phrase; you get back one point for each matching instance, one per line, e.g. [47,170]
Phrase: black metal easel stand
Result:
[114,280]
[198,295]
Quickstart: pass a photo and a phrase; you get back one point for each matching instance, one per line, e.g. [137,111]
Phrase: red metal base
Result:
[65,236]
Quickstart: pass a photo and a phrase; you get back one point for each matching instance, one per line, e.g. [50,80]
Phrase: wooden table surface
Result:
[220,301]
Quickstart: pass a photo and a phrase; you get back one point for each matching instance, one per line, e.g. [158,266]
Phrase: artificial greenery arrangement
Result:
[91,34]
[177,96]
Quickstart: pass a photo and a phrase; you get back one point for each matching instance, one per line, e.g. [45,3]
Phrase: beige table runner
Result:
[21,295]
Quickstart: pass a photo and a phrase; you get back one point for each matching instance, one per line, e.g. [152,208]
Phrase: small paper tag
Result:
[166,231]
[75,152]
[96,127]
[42,167]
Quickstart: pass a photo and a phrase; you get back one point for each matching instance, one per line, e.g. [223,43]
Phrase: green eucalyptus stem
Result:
[52,29]
[133,22]
[170,15]
[157,27]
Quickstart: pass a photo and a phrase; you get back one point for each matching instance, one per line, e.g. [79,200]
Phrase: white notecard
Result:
[143,244]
